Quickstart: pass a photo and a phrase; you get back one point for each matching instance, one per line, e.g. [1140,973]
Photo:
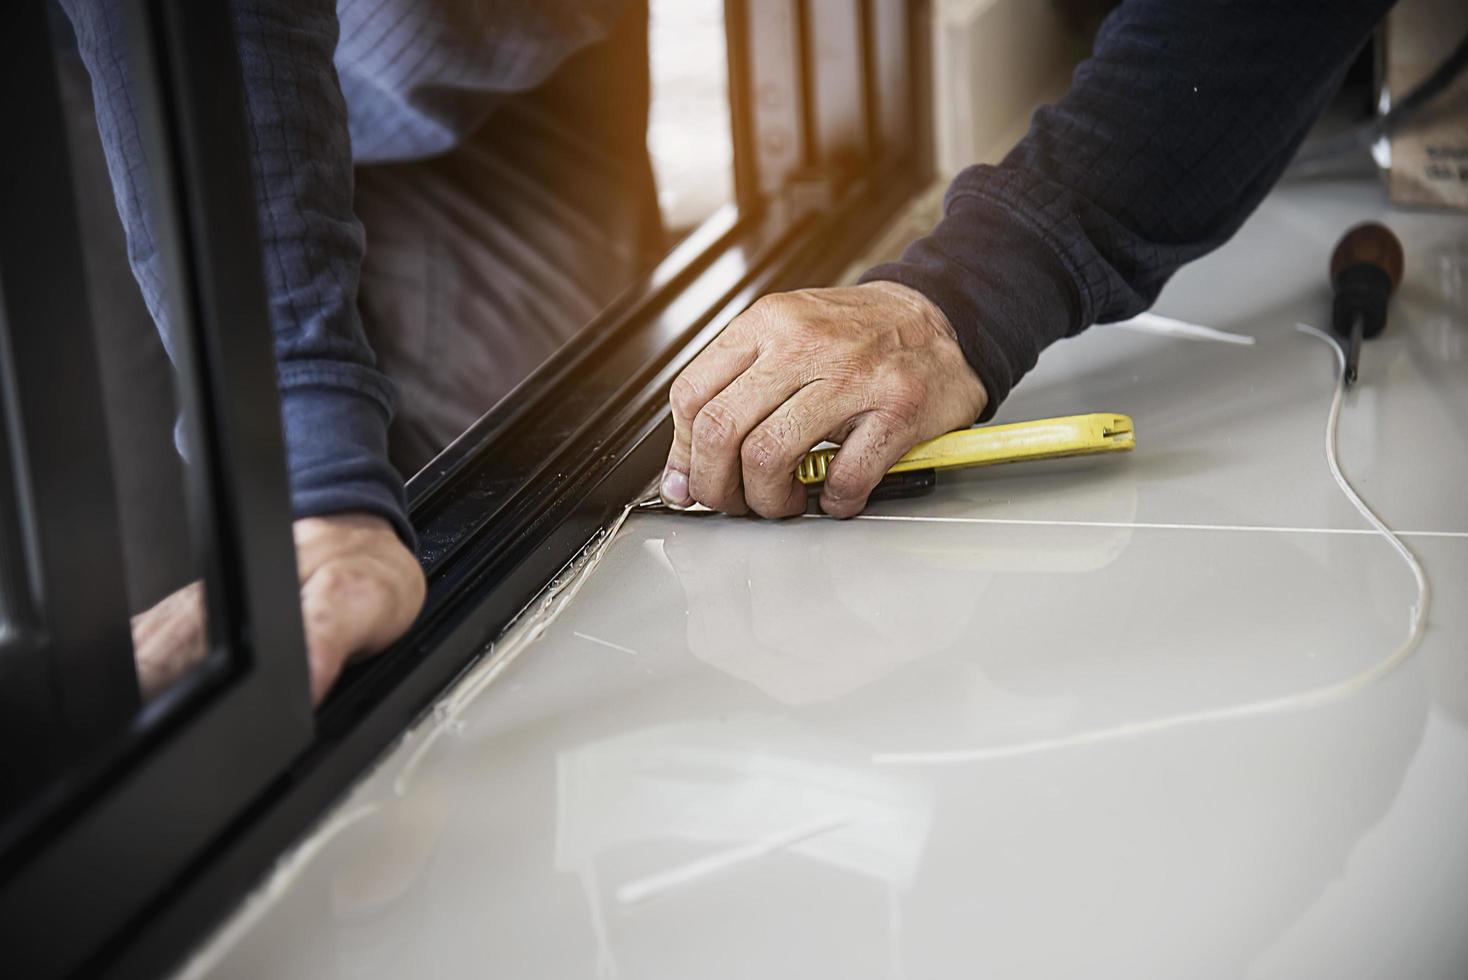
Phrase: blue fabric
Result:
[420,76]
[1170,135]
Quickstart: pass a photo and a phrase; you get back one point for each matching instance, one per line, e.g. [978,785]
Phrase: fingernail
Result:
[675,487]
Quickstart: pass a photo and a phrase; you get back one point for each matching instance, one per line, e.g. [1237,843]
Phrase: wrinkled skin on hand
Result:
[169,638]
[361,588]
[876,368]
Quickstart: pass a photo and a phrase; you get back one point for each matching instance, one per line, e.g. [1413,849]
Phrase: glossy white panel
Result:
[632,798]
[1233,434]
[1009,743]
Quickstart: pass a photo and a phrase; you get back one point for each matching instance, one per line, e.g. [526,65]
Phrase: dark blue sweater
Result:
[1170,135]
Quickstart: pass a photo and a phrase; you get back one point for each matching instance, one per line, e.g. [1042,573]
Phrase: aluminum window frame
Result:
[83,861]
[827,148]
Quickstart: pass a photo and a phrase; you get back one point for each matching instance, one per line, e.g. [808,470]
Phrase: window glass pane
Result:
[485,257]
[688,133]
[104,599]
[140,398]
[500,218]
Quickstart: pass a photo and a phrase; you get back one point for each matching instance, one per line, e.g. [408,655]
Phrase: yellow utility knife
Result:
[986,445]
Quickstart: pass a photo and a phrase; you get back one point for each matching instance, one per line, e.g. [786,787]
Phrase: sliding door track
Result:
[505,507]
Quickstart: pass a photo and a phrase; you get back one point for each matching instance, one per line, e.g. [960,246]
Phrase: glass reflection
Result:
[139,383]
[96,534]
[803,617]
[166,593]
[484,259]
[652,820]
[443,201]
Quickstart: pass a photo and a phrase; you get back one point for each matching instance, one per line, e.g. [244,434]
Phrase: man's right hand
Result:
[361,589]
[875,367]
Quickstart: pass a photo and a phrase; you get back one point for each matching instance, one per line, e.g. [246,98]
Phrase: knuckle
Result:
[708,489]
[352,581]
[332,579]
[789,321]
[771,306]
[904,399]
[714,426]
[324,630]
[762,451]
[399,580]
[685,396]
[755,323]
[769,493]
[847,483]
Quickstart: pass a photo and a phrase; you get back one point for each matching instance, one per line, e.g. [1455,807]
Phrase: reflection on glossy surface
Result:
[696,771]
[76,691]
[1218,425]
[809,615]
[169,639]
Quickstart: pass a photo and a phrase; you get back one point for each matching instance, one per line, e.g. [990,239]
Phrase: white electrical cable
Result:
[1311,698]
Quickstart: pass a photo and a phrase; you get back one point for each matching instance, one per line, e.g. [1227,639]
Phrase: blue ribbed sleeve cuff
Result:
[336,418]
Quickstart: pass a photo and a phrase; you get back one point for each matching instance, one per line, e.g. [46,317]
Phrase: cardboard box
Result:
[1429,153]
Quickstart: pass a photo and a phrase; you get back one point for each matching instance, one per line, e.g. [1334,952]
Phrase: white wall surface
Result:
[994,62]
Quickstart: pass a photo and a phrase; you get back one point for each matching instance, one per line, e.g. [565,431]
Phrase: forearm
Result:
[1170,136]
[335,403]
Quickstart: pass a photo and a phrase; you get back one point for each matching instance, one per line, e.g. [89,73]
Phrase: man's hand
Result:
[360,589]
[875,367]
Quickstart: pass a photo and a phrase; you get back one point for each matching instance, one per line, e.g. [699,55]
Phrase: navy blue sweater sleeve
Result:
[1171,134]
[335,403]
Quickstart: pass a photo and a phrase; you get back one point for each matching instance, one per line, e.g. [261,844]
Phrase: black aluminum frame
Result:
[826,151]
[68,682]
[114,834]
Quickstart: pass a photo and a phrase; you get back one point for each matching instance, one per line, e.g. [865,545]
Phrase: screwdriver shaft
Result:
[1353,347]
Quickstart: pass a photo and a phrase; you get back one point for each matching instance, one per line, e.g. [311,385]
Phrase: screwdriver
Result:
[1364,272]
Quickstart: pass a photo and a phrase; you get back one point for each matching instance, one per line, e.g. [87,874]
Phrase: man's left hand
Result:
[361,588]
